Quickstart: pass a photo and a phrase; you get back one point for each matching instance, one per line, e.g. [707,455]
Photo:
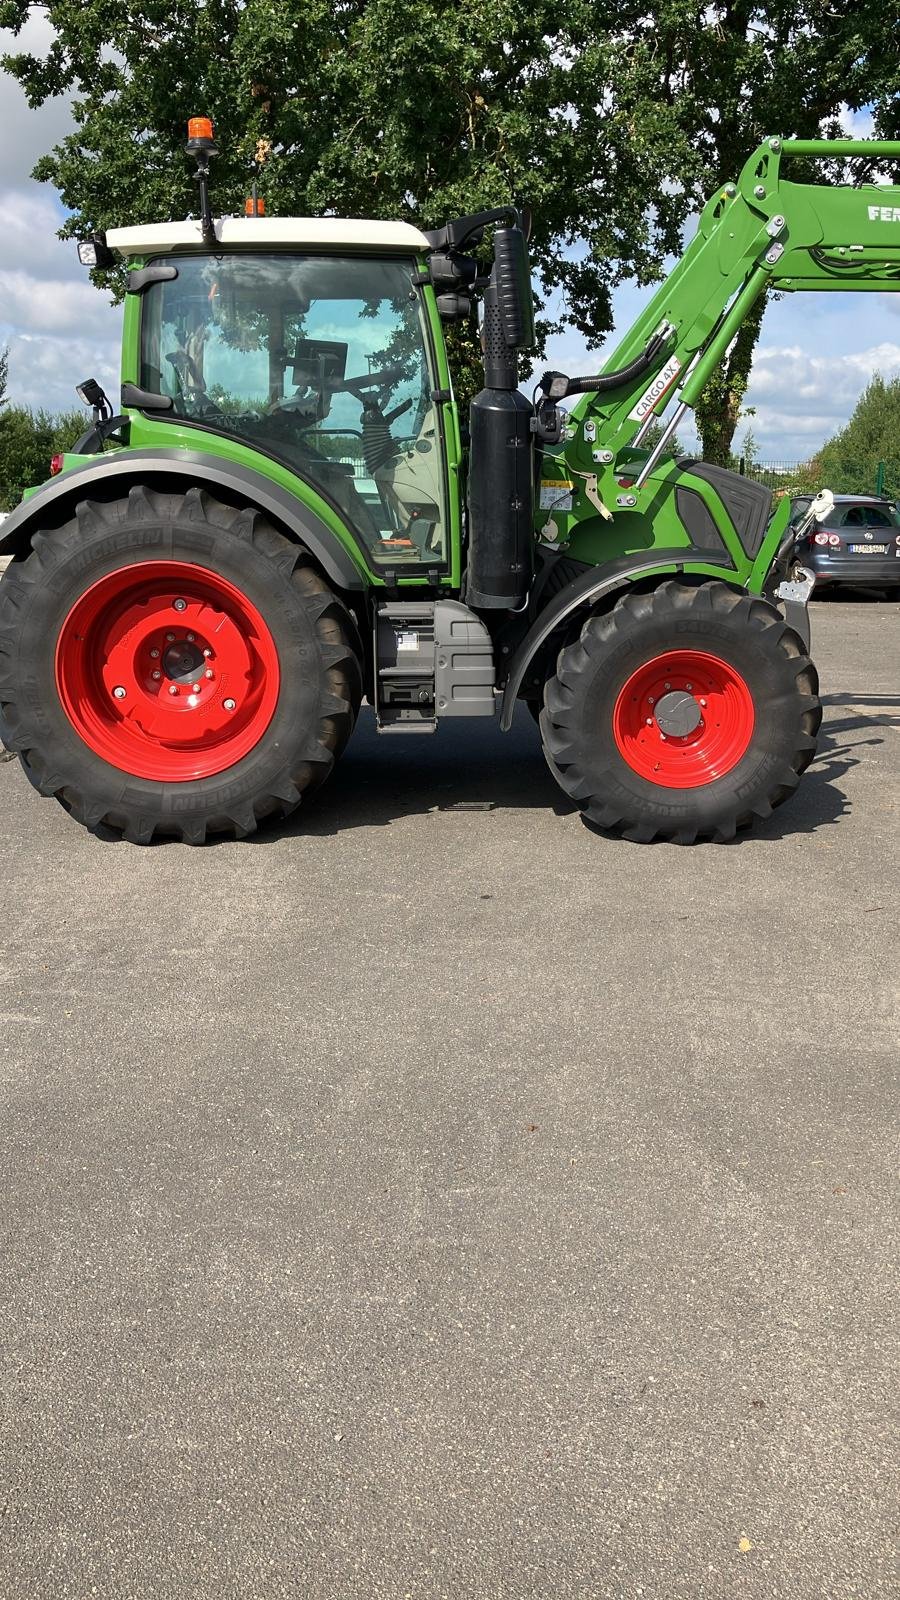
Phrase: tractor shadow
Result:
[465,766]
[472,767]
[843,744]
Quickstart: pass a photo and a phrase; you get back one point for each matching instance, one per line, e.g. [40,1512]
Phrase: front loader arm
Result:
[760,232]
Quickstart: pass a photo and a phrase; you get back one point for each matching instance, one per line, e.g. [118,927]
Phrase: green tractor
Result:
[281,518]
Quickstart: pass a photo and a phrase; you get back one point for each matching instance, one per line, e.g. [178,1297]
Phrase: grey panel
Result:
[404,665]
[141,278]
[697,521]
[54,501]
[749,504]
[463,662]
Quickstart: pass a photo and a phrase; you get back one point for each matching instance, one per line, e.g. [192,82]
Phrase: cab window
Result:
[323,363]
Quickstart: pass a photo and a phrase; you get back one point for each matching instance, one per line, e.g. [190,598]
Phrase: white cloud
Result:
[52,305]
[25,135]
[856,124]
[43,371]
[31,216]
[802,397]
[58,327]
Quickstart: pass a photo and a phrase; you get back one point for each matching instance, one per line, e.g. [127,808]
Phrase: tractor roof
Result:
[345,233]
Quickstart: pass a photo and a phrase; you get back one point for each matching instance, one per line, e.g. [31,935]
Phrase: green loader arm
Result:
[761,232]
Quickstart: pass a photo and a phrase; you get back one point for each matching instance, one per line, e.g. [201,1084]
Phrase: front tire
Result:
[171,666]
[682,714]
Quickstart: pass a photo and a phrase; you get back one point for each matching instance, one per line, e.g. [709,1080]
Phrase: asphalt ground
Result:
[433,1198]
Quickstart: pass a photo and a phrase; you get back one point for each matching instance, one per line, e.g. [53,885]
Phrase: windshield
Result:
[322,362]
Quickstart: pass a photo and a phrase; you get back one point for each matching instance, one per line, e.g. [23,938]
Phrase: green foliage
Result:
[612,121]
[848,462]
[807,477]
[371,108]
[734,73]
[27,441]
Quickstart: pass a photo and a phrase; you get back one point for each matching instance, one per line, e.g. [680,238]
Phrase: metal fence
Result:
[784,475]
[797,477]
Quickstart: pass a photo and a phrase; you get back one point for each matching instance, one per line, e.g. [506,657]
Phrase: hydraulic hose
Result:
[598,383]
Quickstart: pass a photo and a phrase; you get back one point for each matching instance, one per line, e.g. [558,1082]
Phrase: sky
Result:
[815,356]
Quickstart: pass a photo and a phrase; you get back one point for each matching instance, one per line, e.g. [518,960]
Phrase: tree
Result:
[612,121]
[28,439]
[378,108]
[848,462]
[736,71]
[4,374]
[673,447]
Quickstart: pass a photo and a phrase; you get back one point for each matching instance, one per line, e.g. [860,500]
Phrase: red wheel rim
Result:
[167,671]
[684,719]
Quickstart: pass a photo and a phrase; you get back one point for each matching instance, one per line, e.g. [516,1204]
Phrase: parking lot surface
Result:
[434,1198]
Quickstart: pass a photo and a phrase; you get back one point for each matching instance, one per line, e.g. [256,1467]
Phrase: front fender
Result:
[594,585]
[188,467]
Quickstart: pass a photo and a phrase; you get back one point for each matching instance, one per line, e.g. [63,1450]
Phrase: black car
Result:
[857,542]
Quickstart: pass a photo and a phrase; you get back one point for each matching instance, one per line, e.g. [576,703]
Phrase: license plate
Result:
[868,549]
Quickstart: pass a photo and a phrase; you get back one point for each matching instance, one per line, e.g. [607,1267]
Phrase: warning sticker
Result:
[556,494]
[407,641]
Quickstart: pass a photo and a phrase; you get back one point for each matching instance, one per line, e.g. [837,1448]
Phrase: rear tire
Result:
[101,709]
[735,695]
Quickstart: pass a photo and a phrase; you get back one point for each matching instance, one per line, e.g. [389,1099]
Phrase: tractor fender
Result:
[117,472]
[585,590]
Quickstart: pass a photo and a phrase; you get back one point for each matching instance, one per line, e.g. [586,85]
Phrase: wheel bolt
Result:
[170,637]
[688,686]
[207,652]
[228,704]
[173,688]
[663,737]
[119,692]
[180,605]
[209,673]
[190,639]
[157,675]
[154,655]
[703,702]
[195,688]
[650,700]
[668,686]
[649,722]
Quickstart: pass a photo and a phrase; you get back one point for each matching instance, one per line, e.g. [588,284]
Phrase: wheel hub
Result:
[678,714]
[183,662]
[167,671]
[683,719]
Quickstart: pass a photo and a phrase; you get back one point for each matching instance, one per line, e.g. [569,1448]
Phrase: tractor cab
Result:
[324,361]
